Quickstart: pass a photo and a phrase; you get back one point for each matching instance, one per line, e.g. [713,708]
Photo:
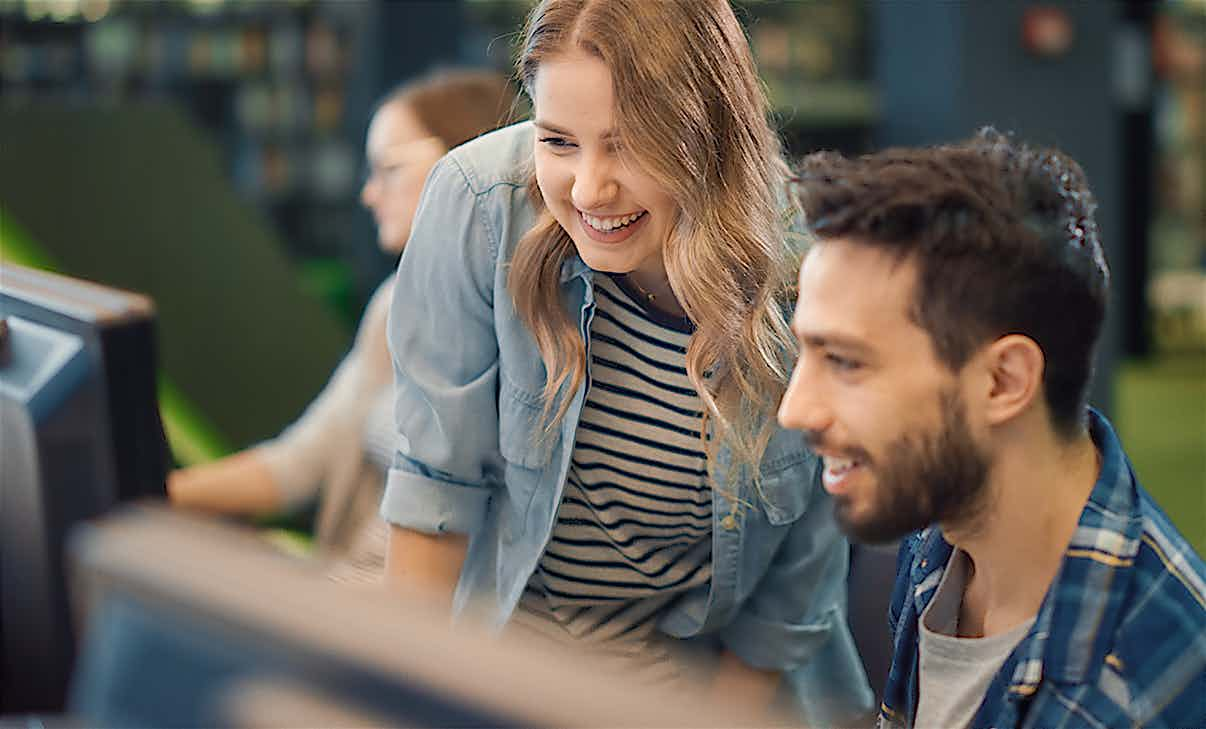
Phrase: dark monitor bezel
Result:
[78,443]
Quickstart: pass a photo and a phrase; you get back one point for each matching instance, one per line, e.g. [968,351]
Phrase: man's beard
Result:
[924,478]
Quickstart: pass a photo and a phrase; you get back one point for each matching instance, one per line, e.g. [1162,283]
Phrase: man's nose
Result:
[804,406]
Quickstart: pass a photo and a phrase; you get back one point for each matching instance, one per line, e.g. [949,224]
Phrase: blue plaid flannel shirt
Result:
[1120,639]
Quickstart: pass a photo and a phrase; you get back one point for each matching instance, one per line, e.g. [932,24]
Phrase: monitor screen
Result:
[191,622]
[79,432]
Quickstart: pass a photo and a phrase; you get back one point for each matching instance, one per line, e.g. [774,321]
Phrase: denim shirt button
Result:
[728,522]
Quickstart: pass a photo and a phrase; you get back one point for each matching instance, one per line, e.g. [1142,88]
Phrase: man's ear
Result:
[1014,366]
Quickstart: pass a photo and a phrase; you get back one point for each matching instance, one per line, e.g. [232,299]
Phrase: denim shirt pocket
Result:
[525,449]
[787,487]
[519,428]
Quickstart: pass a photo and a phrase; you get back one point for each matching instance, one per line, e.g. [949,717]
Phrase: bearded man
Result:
[947,317]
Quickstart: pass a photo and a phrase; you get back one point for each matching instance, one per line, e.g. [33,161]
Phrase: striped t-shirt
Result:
[634,527]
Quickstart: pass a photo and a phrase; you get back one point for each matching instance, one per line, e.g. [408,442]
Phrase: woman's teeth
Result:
[605,225]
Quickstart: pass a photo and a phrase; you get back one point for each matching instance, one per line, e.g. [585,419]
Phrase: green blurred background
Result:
[1161,418]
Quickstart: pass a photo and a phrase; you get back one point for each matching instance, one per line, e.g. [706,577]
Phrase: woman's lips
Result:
[612,236]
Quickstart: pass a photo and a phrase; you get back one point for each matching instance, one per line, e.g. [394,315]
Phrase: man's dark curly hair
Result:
[1005,241]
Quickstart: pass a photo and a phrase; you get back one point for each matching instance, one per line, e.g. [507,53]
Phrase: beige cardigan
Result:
[324,450]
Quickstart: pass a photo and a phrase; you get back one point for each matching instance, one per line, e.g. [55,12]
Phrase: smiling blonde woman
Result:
[588,450]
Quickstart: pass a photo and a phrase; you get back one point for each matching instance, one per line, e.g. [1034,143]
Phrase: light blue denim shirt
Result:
[469,383]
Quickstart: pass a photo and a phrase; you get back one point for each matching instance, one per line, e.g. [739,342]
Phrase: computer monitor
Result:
[191,622]
[79,432]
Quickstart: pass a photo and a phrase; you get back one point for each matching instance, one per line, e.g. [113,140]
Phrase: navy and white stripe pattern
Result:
[634,527]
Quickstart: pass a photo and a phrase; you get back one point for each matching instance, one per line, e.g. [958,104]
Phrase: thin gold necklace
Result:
[648,296]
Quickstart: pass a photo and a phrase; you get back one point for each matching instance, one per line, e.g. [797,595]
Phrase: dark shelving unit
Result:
[268,80]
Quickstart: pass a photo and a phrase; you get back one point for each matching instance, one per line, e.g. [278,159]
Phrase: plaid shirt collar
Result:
[1080,612]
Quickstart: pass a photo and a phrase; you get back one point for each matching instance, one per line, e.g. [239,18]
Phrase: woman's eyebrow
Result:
[608,136]
[550,127]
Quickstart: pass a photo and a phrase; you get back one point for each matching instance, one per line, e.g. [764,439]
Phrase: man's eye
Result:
[842,363]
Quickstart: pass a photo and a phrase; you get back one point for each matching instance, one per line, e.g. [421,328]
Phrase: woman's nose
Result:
[595,185]
[368,193]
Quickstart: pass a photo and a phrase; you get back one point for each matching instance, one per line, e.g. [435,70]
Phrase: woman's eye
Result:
[557,142]
[384,171]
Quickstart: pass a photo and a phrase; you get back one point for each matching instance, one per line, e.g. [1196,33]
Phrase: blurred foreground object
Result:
[188,622]
[79,432]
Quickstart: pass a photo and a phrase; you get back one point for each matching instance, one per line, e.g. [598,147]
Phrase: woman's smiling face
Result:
[618,216]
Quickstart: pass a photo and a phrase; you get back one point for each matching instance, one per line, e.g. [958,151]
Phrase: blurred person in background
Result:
[340,447]
[587,450]
[948,319]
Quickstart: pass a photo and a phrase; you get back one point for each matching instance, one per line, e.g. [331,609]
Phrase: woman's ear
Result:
[1014,365]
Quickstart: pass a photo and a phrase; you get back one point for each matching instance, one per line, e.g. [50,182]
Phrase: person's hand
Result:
[240,484]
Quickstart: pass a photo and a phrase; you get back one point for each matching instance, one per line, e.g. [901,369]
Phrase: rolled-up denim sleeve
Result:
[795,621]
[445,356]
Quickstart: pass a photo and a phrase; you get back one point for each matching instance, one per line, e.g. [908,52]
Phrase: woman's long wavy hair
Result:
[689,102]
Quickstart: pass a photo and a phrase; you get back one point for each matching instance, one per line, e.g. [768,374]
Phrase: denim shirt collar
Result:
[573,267]
[1079,614]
